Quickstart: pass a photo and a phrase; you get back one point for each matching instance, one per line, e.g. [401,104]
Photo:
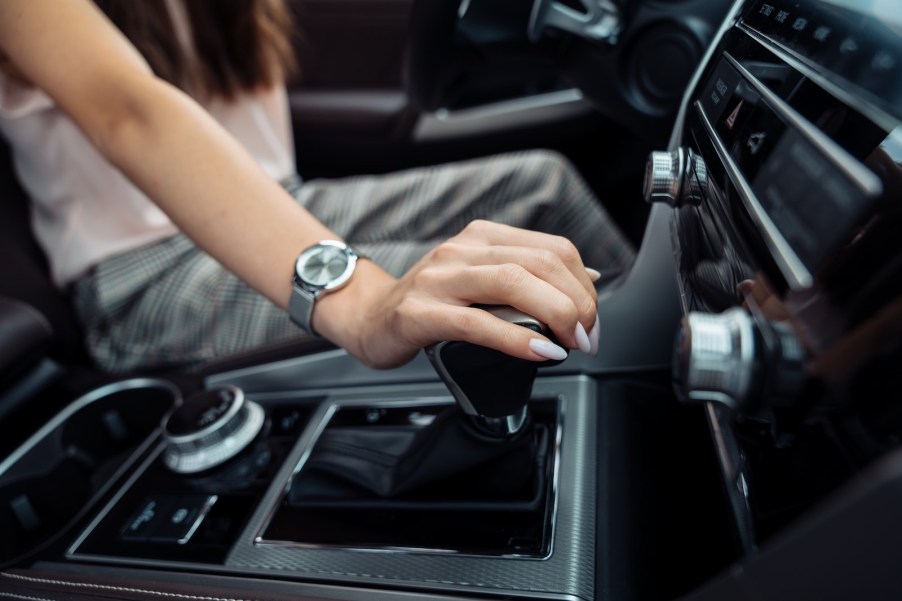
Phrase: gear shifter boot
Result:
[446,460]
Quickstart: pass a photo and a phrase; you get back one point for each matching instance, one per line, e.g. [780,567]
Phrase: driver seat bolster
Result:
[24,336]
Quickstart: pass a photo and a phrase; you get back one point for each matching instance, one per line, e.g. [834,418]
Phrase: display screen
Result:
[856,41]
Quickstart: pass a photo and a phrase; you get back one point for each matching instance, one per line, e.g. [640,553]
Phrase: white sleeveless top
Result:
[83,209]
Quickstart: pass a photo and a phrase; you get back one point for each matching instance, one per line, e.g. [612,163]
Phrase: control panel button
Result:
[167,518]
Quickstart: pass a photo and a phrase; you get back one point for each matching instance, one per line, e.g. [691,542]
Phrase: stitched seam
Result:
[26,597]
[106,587]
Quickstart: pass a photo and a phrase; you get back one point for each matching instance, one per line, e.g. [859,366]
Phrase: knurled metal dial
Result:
[210,428]
[678,177]
[715,357]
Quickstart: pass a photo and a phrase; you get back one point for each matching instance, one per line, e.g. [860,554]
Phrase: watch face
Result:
[323,265]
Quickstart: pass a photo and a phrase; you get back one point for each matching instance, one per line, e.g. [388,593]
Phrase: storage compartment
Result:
[52,478]
[420,478]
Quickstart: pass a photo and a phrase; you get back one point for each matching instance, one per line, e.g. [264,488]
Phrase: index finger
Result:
[501,234]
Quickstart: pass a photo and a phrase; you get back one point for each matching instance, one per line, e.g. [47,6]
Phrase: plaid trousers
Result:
[170,305]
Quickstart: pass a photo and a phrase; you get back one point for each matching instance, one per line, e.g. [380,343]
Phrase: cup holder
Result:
[52,478]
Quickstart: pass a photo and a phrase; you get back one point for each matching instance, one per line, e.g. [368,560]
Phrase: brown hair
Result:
[240,44]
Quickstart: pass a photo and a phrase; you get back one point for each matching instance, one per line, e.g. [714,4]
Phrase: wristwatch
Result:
[324,267]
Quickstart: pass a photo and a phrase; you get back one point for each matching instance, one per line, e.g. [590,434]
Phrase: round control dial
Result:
[678,178]
[732,359]
[714,357]
[209,428]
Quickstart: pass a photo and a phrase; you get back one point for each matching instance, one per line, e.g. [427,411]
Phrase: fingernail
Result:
[594,274]
[593,338]
[582,339]
[547,349]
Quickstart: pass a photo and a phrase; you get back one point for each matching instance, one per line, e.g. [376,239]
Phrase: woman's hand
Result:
[384,322]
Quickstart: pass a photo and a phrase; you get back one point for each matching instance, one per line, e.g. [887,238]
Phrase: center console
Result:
[321,491]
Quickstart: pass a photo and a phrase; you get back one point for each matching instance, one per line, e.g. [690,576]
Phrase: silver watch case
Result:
[322,268]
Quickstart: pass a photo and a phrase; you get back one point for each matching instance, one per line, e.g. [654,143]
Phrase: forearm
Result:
[161,139]
[212,189]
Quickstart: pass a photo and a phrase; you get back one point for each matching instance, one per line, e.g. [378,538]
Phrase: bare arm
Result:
[214,191]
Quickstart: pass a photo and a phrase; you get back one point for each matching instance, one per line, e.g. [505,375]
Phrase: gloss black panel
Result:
[166,516]
[452,489]
[803,156]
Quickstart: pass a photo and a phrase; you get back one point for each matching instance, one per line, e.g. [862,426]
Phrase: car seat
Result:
[40,337]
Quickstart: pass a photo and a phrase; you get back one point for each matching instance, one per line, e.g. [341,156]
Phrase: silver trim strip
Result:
[860,175]
[791,266]
[791,58]
[731,465]
[728,23]
[502,116]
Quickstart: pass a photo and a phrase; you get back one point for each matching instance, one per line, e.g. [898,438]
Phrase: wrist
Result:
[321,269]
[349,316]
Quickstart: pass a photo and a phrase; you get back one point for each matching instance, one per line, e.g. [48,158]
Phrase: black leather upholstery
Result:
[24,336]
[24,275]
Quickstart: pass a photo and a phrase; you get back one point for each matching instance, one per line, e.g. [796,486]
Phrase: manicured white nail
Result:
[547,349]
[582,339]
[594,274]
[593,338]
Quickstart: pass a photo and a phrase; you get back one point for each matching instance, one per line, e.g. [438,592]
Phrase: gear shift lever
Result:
[491,387]
[491,432]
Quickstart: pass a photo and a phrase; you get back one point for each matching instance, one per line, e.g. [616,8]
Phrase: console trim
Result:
[80,403]
[310,441]
[863,178]
[573,537]
[798,276]
[568,573]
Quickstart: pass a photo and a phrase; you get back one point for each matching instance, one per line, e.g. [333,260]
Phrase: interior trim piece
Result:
[501,116]
[303,452]
[362,111]
[731,462]
[574,533]
[875,113]
[553,577]
[84,401]
[866,181]
[795,272]
[728,23]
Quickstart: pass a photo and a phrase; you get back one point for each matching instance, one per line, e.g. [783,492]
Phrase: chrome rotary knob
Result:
[737,361]
[714,357]
[678,178]
[209,428]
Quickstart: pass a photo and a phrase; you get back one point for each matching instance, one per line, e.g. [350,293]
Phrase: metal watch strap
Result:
[300,308]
